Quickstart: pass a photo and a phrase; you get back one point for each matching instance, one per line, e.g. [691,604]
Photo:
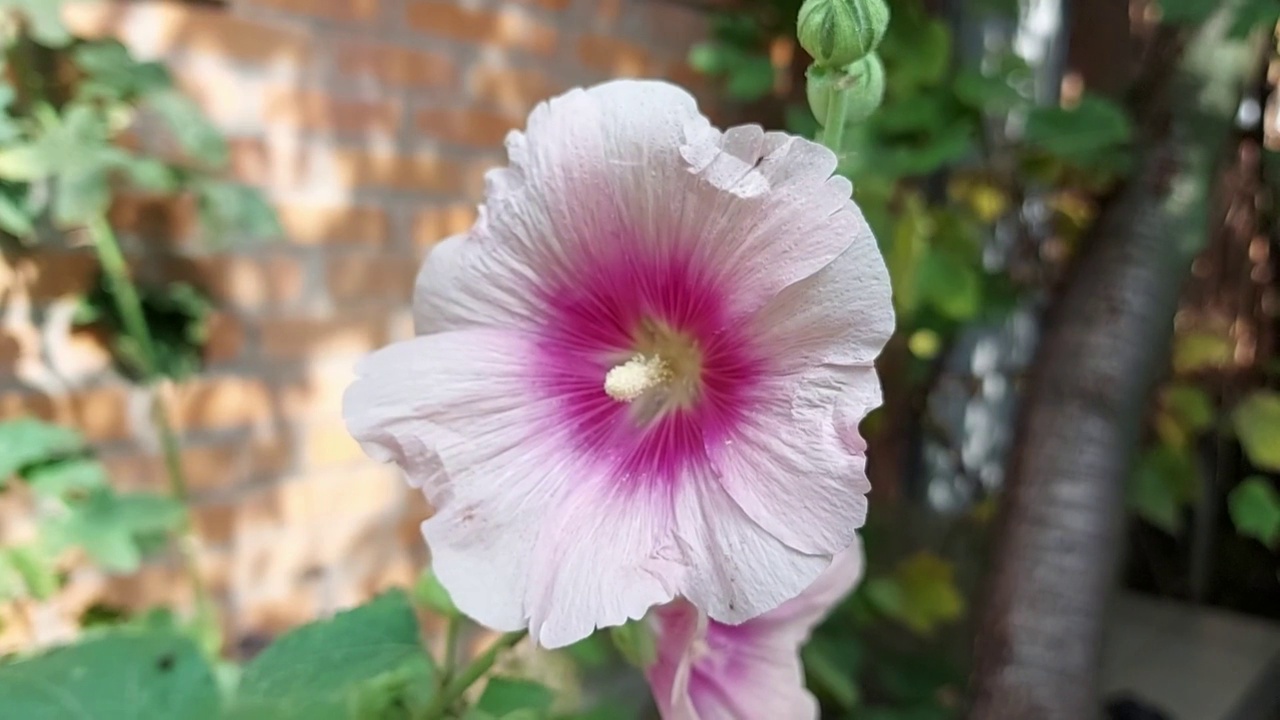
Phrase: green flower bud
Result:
[861,82]
[837,32]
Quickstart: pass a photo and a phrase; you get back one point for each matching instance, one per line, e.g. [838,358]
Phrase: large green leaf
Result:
[28,441]
[950,285]
[333,670]
[1257,422]
[110,527]
[921,593]
[503,696]
[1163,482]
[1255,510]
[1092,131]
[125,674]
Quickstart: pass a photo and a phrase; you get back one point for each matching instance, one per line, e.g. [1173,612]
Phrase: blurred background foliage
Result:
[980,178]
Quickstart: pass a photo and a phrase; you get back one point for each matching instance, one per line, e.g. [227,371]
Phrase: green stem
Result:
[455,688]
[129,305]
[833,125]
[451,649]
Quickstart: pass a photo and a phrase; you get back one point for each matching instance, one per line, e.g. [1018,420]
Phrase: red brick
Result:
[226,338]
[395,66]
[358,278]
[328,444]
[506,27]
[166,220]
[437,223]
[614,57]
[465,126]
[187,28]
[514,91]
[293,338]
[424,172]
[220,402]
[325,225]
[548,5]
[45,274]
[248,282]
[100,413]
[336,10]
[318,111]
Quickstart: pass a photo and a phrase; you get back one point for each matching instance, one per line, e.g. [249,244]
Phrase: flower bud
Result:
[861,82]
[837,32]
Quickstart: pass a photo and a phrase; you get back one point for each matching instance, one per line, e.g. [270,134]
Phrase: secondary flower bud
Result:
[861,82]
[837,32]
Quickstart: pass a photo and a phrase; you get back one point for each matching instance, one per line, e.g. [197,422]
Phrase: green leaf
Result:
[1083,135]
[125,674]
[73,475]
[1199,350]
[428,592]
[1188,12]
[636,642]
[1164,480]
[112,72]
[149,174]
[833,666]
[28,441]
[14,217]
[328,670]
[503,696]
[921,593]
[44,20]
[24,163]
[1257,422]
[1255,510]
[1255,15]
[197,137]
[230,210]
[1191,406]
[986,93]
[750,80]
[591,651]
[951,286]
[109,526]
[12,586]
[36,570]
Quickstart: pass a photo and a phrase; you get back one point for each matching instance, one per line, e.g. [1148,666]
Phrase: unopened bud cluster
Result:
[842,36]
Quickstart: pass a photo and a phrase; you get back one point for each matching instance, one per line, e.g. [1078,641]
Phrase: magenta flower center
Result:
[651,370]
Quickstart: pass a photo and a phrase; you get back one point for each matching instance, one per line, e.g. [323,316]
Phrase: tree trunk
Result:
[1039,639]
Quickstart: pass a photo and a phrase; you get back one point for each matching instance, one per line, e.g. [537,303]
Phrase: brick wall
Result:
[369,124]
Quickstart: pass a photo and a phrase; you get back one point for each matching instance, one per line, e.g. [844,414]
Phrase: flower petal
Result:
[795,619]
[677,627]
[740,570]
[466,282]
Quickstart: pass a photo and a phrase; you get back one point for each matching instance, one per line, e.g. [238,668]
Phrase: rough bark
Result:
[1039,639]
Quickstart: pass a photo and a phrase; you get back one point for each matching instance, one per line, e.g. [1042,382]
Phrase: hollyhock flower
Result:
[640,374]
[706,670]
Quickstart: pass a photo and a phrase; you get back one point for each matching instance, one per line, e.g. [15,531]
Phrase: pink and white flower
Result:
[640,374]
[706,670]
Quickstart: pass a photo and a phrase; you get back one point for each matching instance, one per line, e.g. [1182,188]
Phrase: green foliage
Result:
[26,442]
[635,641]
[43,20]
[1163,483]
[503,697]
[177,315]
[122,674]
[1255,510]
[429,593]
[1093,135]
[363,659]
[112,528]
[921,594]
[1257,422]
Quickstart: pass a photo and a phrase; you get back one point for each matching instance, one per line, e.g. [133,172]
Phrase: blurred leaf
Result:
[832,665]
[1191,406]
[72,475]
[950,285]
[1255,15]
[149,174]
[24,162]
[800,121]
[112,71]
[44,20]
[122,674]
[36,570]
[197,137]
[1188,12]
[503,696]
[1200,350]
[912,229]
[591,651]
[986,93]
[924,344]
[1093,132]
[14,217]
[636,642]
[429,593]
[1257,422]
[1164,480]
[921,593]
[917,49]
[713,58]
[750,80]
[324,670]
[1255,510]
[108,525]
[230,211]
[27,441]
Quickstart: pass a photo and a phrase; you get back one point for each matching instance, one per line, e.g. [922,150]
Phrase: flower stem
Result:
[129,305]
[833,124]
[455,688]
[451,649]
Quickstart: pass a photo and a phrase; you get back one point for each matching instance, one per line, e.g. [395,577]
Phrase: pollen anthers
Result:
[635,377]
